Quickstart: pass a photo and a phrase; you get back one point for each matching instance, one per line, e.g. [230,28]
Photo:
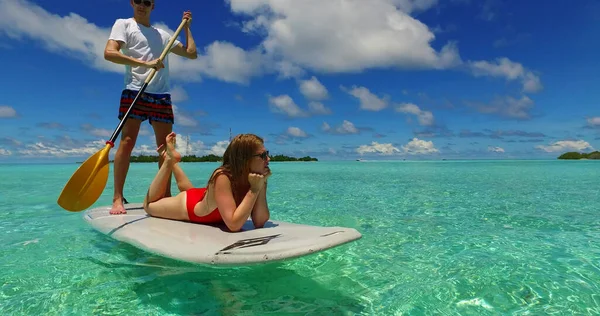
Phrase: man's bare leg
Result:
[129,135]
[161,130]
[183,182]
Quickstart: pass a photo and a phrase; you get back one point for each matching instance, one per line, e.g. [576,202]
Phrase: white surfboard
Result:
[214,244]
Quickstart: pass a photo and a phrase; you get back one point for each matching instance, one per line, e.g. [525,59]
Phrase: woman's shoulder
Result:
[220,174]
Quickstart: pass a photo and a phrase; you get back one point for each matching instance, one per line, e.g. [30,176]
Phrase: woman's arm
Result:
[233,215]
[260,212]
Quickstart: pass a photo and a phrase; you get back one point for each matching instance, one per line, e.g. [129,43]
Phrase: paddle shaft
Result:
[165,51]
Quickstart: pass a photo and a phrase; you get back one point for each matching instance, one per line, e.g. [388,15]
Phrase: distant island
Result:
[214,158]
[573,155]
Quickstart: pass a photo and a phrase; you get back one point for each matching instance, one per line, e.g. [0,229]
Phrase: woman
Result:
[235,191]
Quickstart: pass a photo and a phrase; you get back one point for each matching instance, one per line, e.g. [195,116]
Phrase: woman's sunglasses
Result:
[147,3]
[263,155]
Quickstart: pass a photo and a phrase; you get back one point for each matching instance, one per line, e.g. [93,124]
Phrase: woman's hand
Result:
[257,181]
[267,174]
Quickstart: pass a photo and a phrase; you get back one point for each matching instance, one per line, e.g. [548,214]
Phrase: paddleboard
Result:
[215,244]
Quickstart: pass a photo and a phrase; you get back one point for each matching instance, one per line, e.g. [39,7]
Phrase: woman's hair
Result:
[236,162]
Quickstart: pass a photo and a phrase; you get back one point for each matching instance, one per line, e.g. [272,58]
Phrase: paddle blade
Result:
[87,183]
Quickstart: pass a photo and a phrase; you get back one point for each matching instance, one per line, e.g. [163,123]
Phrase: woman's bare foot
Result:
[172,155]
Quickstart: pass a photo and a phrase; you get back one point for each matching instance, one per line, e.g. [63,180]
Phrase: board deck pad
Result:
[215,244]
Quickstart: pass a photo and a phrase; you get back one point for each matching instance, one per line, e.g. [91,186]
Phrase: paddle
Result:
[89,180]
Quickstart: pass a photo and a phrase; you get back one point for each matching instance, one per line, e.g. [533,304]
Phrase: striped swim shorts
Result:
[149,106]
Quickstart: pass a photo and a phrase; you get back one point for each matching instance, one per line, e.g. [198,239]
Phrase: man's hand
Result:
[188,15]
[156,64]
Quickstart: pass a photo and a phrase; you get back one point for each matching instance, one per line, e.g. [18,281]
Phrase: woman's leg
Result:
[172,207]
[155,203]
[158,186]
[183,182]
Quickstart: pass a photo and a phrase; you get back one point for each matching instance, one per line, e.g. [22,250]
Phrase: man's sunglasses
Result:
[147,3]
[263,155]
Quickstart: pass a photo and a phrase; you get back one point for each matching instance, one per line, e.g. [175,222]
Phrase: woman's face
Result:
[259,163]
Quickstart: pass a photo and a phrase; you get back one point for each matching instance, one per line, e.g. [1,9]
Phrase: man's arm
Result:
[112,52]
[189,50]
[260,212]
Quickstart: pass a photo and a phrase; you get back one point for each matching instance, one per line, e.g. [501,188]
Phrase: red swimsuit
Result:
[194,196]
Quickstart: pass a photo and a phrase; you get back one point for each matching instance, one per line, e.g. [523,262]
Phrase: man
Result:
[133,42]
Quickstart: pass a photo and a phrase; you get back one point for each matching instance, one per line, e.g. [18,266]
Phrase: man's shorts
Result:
[149,106]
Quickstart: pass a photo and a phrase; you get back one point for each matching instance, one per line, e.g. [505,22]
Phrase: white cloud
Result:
[368,100]
[178,94]
[67,147]
[286,69]
[186,146]
[182,118]
[419,147]
[352,35]
[507,106]
[219,148]
[144,150]
[425,117]
[41,149]
[145,131]
[223,61]
[414,147]
[7,111]
[566,145]
[71,34]
[313,89]
[593,121]
[505,68]
[347,127]
[410,6]
[10,141]
[285,104]
[495,149]
[98,132]
[296,132]
[5,152]
[375,147]
[318,108]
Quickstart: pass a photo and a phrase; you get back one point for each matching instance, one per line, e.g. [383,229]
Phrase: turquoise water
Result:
[447,237]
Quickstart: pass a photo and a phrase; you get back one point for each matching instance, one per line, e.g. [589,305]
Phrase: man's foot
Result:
[172,156]
[117,207]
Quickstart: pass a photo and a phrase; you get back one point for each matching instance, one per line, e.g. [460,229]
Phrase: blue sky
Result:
[380,79]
